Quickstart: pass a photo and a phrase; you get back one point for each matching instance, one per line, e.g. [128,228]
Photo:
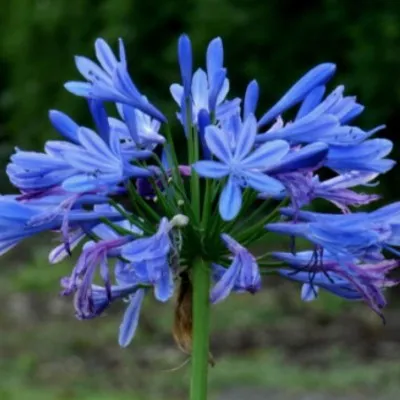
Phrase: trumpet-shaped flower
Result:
[242,166]
[342,276]
[110,81]
[242,275]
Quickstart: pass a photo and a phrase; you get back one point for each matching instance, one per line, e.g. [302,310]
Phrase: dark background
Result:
[268,346]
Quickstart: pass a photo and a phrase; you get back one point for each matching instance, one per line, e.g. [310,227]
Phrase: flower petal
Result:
[224,286]
[309,292]
[210,169]
[264,184]
[315,77]
[218,143]
[268,154]
[130,321]
[251,99]
[246,137]
[230,200]
[214,58]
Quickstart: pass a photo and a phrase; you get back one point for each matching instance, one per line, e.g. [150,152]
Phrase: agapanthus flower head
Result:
[150,218]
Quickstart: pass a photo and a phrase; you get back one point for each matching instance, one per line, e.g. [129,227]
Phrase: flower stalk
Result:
[201,323]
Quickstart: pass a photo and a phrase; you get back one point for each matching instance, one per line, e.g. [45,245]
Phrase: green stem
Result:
[201,311]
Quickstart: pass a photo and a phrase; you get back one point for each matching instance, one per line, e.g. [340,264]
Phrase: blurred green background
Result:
[267,347]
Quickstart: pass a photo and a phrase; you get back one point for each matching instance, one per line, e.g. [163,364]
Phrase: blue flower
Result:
[344,277]
[110,81]
[242,166]
[206,90]
[344,108]
[128,288]
[99,165]
[151,259]
[298,92]
[242,275]
[360,235]
[138,130]
[367,157]
[19,221]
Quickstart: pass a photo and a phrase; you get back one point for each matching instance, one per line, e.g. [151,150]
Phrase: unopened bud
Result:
[179,220]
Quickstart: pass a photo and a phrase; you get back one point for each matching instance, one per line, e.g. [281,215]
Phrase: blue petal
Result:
[311,101]
[90,70]
[100,118]
[246,137]
[131,122]
[94,144]
[307,157]
[82,89]
[105,55]
[225,285]
[211,169]
[130,320]
[203,120]
[218,144]
[215,89]
[309,292]
[315,77]
[185,62]
[264,184]
[251,99]
[64,124]
[266,155]
[230,200]
[164,288]
[121,50]
[301,130]
[200,89]
[176,92]
[214,59]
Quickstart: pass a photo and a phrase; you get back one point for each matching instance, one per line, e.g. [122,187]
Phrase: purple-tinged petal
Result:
[225,285]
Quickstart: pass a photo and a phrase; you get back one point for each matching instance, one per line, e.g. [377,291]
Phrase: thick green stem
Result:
[201,311]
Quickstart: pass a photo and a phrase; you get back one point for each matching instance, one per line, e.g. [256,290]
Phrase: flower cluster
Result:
[141,212]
